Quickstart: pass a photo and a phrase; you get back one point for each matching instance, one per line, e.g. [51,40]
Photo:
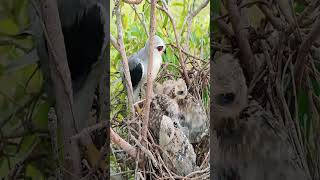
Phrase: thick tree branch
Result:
[123,144]
[149,75]
[247,59]
[275,21]
[60,75]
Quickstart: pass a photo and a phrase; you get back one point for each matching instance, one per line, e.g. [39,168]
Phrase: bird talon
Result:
[137,107]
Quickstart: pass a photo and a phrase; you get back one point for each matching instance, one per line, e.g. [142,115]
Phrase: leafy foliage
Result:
[23,115]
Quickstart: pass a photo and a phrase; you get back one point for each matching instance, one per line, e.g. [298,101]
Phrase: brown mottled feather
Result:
[177,152]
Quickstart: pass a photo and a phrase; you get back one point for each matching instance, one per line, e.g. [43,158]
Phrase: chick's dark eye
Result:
[180,92]
[225,99]
[159,48]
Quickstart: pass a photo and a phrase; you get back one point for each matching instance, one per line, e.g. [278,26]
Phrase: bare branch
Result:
[90,129]
[183,66]
[114,43]
[123,144]
[201,6]
[190,17]
[275,21]
[303,16]
[61,78]
[187,53]
[14,172]
[141,20]
[132,1]
[246,56]
[149,75]
[284,7]
[124,57]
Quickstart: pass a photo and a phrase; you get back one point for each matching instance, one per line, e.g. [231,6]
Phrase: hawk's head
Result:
[158,44]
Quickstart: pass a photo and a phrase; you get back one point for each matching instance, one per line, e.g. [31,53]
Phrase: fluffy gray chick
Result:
[192,116]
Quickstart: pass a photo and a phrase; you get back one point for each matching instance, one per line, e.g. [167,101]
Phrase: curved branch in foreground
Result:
[201,6]
[193,14]
[114,43]
[191,17]
[124,145]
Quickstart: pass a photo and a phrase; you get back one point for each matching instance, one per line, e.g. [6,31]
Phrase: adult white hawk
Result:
[138,65]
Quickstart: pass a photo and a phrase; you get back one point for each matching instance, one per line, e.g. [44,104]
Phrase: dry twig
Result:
[183,66]
[125,64]
[123,144]
[132,1]
[149,73]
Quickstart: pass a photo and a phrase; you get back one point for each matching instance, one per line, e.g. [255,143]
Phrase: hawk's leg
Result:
[138,105]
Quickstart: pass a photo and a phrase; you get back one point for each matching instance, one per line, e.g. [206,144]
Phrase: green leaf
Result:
[181,4]
[146,10]
[28,59]
[21,12]
[193,38]
[124,20]
[299,7]
[316,87]
[165,22]
[215,9]
[19,92]
[4,169]
[27,143]
[41,116]
[135,31]
[34,173]
[8,26]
